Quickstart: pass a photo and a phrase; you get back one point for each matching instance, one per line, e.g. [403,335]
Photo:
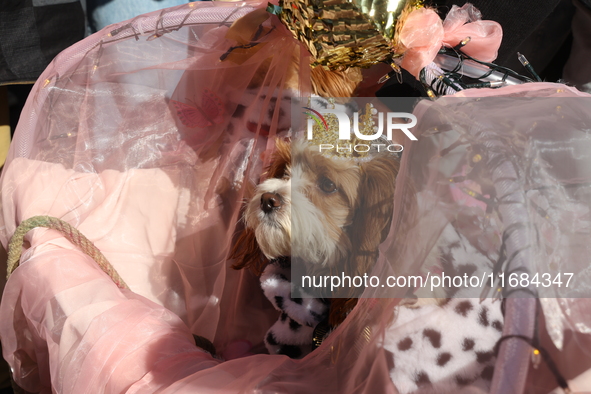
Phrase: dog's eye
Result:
[283,173]
[326,185]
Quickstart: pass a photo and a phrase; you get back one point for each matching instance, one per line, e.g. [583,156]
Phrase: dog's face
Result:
[303,209]
[321,210]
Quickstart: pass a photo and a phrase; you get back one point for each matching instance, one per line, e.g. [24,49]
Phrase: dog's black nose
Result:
[270,201]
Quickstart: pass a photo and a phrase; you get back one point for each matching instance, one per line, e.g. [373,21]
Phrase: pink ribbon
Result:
[423,34]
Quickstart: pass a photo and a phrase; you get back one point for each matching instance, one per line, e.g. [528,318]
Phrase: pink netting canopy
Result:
[110,143]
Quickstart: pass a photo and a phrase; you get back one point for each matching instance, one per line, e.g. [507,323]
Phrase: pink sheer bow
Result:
[423,34]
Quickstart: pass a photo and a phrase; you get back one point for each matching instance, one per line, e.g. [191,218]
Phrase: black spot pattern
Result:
[443,359]
[283,316]
[290,351]
[463,308]
[271,339]
[283,261]
[487,373]
[453,267]
[279,302]
[390,360]
[283,277]
[497,325]
[463,381]
[483,316]
[294,325]
[468,344]
[297,300]
[433,336]
[405,344]
[239,112]
[318,317]
[484,357]
[422,379]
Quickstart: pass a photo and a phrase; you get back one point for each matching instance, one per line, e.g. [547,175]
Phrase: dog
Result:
[328,215]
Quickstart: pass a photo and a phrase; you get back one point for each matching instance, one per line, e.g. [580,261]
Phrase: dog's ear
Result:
[369,228]
[281,159]
[247,254]
[373,215]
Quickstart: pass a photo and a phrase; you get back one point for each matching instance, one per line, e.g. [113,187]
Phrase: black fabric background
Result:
[540,30]
[30,37]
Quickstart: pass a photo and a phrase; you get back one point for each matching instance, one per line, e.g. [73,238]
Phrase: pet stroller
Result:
[109,143]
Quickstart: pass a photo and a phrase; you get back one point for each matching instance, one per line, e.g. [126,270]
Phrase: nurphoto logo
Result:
[393,121]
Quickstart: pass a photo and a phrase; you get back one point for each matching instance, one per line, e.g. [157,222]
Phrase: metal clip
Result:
[395,70]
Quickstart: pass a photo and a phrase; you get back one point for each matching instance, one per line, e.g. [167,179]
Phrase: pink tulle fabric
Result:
[423,34]
[101,146]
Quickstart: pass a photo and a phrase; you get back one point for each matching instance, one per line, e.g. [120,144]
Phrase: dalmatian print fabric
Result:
[292,334]
[444,348]
[436,346]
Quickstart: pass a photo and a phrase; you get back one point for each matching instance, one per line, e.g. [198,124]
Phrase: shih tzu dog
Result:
[324,214]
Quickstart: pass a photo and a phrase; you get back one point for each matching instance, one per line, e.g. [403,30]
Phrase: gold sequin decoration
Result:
[340,33]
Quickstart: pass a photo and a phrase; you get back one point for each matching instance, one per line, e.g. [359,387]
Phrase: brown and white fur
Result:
[326,212]
[306,219]
[337,211]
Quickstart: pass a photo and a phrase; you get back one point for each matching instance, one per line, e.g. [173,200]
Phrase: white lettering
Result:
[345,125]
[400,126]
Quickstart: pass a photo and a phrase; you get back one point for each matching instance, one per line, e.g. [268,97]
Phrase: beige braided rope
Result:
[71,234]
